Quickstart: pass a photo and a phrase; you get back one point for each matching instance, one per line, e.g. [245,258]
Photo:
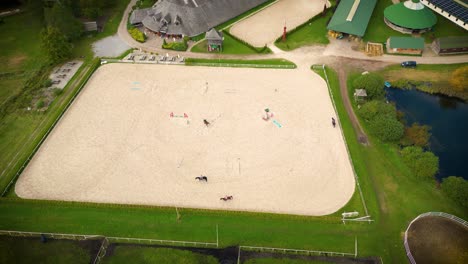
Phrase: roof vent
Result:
[353,10]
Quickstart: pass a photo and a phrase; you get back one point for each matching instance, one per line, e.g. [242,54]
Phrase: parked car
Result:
[408,64]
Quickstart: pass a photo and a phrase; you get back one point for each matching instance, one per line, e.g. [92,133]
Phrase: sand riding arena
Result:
[264,27]
[137,135]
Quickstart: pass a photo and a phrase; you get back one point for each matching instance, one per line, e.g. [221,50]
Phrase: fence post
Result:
[217,237]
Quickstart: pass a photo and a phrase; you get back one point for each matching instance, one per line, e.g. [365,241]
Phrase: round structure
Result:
[437,237]
[410,17]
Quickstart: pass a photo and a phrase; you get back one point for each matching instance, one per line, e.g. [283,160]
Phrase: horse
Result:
[226,198]
[333,122]
[202,178]
[206,122]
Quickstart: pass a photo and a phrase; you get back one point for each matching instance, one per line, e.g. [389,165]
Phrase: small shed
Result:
[450,45]
[360,95]
[215,40]
[405,45]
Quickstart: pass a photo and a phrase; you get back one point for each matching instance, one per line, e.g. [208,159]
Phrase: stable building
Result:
[179,18]
[214,40]
[410,17]
[450,45]
[351,17]
[405,45]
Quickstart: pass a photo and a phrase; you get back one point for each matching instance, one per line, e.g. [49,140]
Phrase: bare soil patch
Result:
[434,239]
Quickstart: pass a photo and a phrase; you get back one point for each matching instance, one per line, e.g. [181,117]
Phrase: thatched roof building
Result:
[190,17]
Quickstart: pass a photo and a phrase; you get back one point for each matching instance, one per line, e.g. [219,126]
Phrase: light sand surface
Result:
[267,25]
[117,143]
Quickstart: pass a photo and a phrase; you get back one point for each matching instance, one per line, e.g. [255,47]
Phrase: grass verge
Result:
[312,32]
[429,78]
[267,63]
[231,45]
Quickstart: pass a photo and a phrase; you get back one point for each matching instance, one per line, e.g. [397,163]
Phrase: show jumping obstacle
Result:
[171,115]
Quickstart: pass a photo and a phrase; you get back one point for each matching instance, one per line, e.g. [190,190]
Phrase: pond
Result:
[448,118]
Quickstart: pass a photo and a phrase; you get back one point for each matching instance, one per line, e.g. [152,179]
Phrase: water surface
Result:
[448,118]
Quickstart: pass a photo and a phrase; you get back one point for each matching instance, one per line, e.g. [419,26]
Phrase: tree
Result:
[386,128]
[55,45]
[417,135]
[373,83]
[459,79]
[423,164]
[60,15]
[374,108]
[456,188]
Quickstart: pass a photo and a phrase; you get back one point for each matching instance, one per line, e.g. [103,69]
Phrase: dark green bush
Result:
[373,83]
[456,188]
[386,128]
[373,108]
[423,164]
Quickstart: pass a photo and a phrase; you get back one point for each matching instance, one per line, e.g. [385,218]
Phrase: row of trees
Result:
[387,124]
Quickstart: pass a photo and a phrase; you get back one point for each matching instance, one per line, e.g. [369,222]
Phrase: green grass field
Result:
[283,261]
[31,250]
[230,46]
[265,63]
[313,33]
[123,254]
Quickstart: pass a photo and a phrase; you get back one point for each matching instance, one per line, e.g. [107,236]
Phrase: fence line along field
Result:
[268,24]
[141,134]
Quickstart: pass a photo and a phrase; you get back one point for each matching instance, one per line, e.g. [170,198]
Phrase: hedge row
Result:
[137,35]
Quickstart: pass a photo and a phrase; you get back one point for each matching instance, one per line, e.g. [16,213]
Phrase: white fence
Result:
[299,251]
[440,214]
[344,138]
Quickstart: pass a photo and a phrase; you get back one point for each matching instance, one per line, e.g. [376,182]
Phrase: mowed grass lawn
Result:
[22,250]
[230,46]
[313,33]
[378,31]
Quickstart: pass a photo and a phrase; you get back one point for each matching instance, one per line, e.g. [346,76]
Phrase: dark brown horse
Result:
[226,198]
[202,178]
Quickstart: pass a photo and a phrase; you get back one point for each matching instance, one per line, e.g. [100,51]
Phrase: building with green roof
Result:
[450,45]
[410,17]
[352,17]
[405,45]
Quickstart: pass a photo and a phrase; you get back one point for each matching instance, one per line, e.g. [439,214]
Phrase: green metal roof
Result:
[453,42]
[358,25]
[406,43]
[402,16]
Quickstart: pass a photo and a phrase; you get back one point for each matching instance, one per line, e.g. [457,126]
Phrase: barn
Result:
[178,18]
